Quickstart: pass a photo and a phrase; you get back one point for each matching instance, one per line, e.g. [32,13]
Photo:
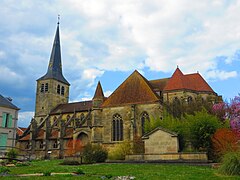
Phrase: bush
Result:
[230,164]
[4,170]
[94,153]
[119,151]
[201,127]
[12,154]
[80,171]
[47,173]
[224,140]
[69,162]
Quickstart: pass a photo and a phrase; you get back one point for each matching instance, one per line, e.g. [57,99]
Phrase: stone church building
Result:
[102,120]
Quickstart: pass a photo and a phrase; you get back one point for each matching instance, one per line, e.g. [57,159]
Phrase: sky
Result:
[107,40]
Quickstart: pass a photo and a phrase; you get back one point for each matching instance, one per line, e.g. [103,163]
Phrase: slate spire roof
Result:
[99,92]
[134,90]
[55,63]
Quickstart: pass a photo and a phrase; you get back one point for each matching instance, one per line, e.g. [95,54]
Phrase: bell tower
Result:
[52,88]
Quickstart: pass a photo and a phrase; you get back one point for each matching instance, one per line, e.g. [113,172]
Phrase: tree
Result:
[201,127]
[229,112]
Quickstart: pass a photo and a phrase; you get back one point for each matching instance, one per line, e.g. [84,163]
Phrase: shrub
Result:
[11,154]
[80,171]
[47,173]
[94,153]
[4,170]
[99,154]
[69,162]
[224,140]
[119,151]
[201,127]
[230,164]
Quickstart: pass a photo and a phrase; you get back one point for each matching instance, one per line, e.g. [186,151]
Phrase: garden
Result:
[54,169]
[214,129]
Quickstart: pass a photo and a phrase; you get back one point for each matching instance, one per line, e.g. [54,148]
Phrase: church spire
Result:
[99,92]
[55,63]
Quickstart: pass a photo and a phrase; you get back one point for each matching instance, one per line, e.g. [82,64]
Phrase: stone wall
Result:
[131,116]
[161,141]
[198,156]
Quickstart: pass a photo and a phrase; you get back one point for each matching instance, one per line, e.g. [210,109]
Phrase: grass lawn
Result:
[140,171]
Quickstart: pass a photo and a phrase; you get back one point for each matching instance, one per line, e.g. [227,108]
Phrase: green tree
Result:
[201,127]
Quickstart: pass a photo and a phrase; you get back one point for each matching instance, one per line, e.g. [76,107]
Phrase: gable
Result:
[134,90]
[194,82]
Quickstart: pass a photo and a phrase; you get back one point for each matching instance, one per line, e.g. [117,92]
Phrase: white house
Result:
[8,123]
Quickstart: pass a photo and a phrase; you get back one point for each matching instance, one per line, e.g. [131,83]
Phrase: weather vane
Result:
[58,18]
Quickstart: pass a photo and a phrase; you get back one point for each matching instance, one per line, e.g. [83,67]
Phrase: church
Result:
[102,120]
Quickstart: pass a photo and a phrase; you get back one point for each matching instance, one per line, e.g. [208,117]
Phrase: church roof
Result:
[134,90]
[55,64]
[194,81]
[72,107]
[5,102]
[159,84]
[99,92]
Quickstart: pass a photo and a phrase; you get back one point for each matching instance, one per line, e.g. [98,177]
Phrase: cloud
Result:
[24,118]
[108,93]
[111,35]
[221,75]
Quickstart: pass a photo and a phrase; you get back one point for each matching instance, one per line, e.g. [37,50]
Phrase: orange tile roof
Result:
[194,82]
[134,90]
[20,131]
[25,138]
[99,92]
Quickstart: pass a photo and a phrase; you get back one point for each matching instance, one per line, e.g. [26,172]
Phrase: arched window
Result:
[55,144]
[144,119]
[80,120]
[55,121]
[46,87]
[41,144]
[62,90]
[42,88]
[189,99]
[58,89]
[117,128]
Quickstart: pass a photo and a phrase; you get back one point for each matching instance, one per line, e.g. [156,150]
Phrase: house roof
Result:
[179,81]
[134,90]
[20,131]
[25,138]
[5,102]
[99,92]
[146,136]
[55,63]
[72,107]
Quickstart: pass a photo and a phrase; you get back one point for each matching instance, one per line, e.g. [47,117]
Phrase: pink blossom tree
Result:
[229,111]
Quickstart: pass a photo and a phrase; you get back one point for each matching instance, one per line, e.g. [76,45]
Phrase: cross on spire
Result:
[58,19]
